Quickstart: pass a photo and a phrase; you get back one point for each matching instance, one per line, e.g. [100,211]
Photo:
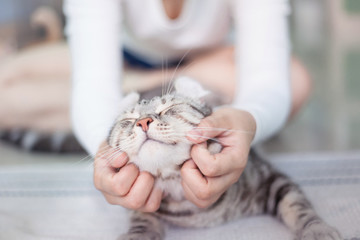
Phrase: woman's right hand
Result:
[123,184]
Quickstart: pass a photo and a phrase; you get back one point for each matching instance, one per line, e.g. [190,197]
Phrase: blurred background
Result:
[325,37]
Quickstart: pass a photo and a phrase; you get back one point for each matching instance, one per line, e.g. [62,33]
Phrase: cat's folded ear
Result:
[130,100]
[188,87]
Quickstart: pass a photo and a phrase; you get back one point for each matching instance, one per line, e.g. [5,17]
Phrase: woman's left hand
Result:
[206,177]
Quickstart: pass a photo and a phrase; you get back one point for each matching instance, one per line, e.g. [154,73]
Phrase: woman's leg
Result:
[301,85]
[35,85]
[216,71]
[35,89]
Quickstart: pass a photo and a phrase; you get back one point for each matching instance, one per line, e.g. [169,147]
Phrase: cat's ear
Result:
[188,87]
[130,100]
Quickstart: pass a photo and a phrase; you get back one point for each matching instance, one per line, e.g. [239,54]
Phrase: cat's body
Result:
[153,134]
[37,141]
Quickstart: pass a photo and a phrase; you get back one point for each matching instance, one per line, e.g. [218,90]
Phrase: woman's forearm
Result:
[263,63]
[93,30]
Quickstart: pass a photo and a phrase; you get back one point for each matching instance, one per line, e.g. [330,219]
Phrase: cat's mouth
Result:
[150,139]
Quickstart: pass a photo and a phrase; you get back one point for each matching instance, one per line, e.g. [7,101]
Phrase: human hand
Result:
[206,177]
[123,184]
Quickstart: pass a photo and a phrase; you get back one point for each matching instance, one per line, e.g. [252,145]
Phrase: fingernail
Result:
[194,134]
[123,155]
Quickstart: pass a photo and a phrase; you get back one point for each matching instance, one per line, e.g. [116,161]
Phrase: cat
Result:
[153,134]
[43,26]
[37,141]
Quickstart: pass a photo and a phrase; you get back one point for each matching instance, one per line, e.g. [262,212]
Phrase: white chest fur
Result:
[171,185]
[163,161]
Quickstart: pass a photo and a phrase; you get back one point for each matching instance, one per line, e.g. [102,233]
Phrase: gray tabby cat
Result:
[152,133]
[36,141]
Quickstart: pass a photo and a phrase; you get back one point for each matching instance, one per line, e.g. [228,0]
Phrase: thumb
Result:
[209,127]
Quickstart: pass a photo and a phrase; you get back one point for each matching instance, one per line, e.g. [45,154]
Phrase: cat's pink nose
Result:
[144,123]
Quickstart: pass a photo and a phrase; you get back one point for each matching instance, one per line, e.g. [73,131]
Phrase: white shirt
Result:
[97,29]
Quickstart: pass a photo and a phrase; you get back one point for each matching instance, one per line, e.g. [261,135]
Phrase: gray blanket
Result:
[60,202]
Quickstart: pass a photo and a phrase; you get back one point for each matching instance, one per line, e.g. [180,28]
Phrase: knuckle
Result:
[152,207]
[208,122]
[183,171]
[236,178]
[203,193]
[97,185]
[135,203]
[97,181]
[148,178]
[202,204]
[132,167]
[111,200]
[210,170]
[242,162]
[239,159]
[114,187]
[121,189]
[147,175]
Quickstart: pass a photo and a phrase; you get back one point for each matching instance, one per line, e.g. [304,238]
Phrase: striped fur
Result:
[261,189]
[35,141]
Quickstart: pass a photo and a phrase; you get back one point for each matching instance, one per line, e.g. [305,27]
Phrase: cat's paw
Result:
[141,236]
[320,231]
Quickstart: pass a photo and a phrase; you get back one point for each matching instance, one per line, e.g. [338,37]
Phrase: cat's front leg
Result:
[319,230]
[144,226]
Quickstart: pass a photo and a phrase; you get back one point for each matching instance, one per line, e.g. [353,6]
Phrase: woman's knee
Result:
[301,85]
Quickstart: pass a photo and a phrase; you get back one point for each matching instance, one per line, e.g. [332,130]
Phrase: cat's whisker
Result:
[163,76]
[208,138]
[171,82]
[104,152]
[80,162]
[187,67]
[89,157]
[84,159]
[90,166]
[192,135]
[224,130]
[166,75]
[110,159]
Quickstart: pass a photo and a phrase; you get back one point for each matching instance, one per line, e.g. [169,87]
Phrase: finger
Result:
[114,200]
[103,159]
[111,156]
[201,203]
[209,127]
[119,161]
[140,191]
[228,160]
[154,200]
[103,172]
[189,172]
[115,183]
[220,184]
[205,187]
[140,194]
[121,183]
[192,176]
[115,158]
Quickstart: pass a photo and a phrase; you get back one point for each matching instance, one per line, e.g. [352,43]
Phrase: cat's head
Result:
[153,132]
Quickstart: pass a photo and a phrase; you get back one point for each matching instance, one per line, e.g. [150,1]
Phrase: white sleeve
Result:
[93,30]
[262,63]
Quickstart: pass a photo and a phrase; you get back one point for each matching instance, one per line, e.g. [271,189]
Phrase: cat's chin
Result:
[157,157]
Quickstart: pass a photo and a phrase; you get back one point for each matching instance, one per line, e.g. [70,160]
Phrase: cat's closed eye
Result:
[169,111]
[124,123]
[173,109]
